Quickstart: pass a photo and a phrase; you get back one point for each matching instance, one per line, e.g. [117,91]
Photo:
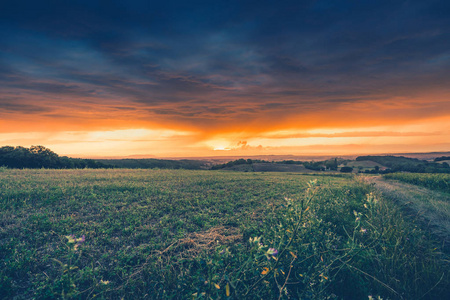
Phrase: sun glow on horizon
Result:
[222,149]
[165,142]
[234,88]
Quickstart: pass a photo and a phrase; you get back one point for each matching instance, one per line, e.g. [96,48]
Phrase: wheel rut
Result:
[431,208]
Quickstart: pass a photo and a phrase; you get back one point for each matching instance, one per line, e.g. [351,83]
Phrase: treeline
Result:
[442,158]
[331,164]
[37,157]
[151,163]
[240,161]
[406,164]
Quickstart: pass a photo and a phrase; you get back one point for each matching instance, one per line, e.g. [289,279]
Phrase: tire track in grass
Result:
[430,207]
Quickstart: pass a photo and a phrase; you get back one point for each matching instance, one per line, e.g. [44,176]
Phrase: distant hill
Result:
[268,167]
[442,158]
[422,156]
[265,167]
[406,164]
[151,163]
[364,166]
[42,157]
[249,165]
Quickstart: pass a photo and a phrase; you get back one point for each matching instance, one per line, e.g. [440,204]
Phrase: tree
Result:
[41,157]
[346,169]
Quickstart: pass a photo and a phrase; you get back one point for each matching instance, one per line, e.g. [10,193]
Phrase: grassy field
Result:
[161,234]
[426,196]
[440,182]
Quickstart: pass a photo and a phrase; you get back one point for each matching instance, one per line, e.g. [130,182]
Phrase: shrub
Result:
[346,169]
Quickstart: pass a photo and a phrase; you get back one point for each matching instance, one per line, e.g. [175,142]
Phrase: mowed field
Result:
[176,234]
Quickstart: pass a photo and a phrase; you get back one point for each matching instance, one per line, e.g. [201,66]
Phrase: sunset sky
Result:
[206,78]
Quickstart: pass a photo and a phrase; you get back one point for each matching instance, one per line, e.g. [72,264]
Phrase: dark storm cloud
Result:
[7,106]
[257,55]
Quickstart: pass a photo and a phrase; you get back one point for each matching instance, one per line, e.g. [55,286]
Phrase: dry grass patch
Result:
[196,243]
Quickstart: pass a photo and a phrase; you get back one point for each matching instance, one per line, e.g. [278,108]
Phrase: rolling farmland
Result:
[170,234]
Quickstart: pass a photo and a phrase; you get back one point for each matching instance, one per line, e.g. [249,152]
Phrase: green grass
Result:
[191,234]
[422,195]
[440,182]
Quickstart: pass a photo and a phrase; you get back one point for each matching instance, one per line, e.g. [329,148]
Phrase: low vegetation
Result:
[406,164]
[165,234]
[439,182]
[346,169]
[430,205]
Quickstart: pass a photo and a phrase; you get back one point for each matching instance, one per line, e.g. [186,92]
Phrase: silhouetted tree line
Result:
[152,163]
[240,161]
[37,157]
[315,165]
[330,164]
[406,164]
[42,157]
[442,158]
[290,162]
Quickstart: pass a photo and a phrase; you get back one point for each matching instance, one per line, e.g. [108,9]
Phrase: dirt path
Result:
[432,208]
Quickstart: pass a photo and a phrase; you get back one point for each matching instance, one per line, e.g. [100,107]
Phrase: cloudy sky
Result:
[199,78]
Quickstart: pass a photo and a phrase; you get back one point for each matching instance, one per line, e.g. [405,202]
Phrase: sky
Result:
[214,78]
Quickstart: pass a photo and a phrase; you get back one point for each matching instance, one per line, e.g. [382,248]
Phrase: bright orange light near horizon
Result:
[425,136]
[221,149]
[230,89]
